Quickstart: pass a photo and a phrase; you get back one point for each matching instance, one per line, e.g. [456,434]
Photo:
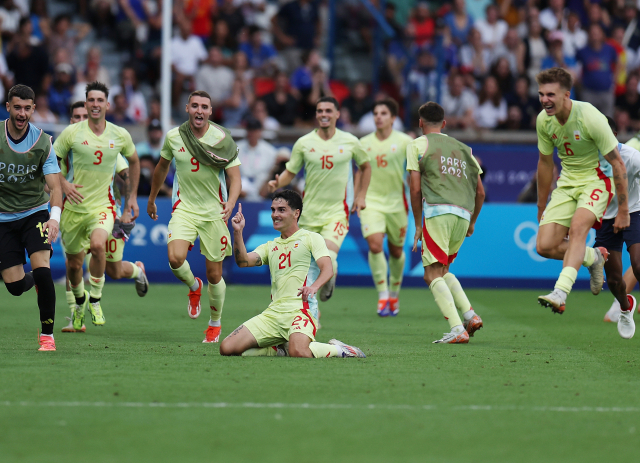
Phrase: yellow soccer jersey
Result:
[197,189]
[388,158]
[292,264]
[328,191]
[581,141]
[94,161]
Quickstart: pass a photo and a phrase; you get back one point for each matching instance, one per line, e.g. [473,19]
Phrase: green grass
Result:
[530,387]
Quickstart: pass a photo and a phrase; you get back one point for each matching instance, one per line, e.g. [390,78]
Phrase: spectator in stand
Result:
[282,157]
[40,23]
[94,60]
[492,107]
[557,57]
[477,9]
[260,113]
[459,23]
[103,19]
[422,80]
[201,14]
[530,13]
[553,17]
[628,106]
[42,113]
[187,52]
[493,29]
[358,103]
[281,104]
[631,24]
[597,15]
[575,38]
[513,49]
[215,78]
[521,98]
[153,144]
[67,36]
[237,105]
[296,28]
[28,63]
[60,90]
[131,24]
[260,56]
[10,16]
[308,83]
[514,120]
[79,92]
[598,61]
[240,65]
[535,50]
[475,59]
[155,109]
[616,41]
[223,40]
[257,157]
[421,27]
[6,78]
[118,112]
[147,166]
[459,103]
[233,17]
[137,103]
[503,75]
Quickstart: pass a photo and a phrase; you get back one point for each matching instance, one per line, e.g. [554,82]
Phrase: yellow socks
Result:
[96,286]
[459,296]
[445,302]
[396,272]
[334,261]
[216,300]
[136,271]
[378,265]
[260,352]
[321,350]
[78,291]
[71,300]
[567,279]
[589,257]
[184,274]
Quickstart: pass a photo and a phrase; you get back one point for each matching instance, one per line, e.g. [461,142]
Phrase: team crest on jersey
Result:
[394,148]
[169,234]
[576,135]
[296,244]
[340,149]
[112,144]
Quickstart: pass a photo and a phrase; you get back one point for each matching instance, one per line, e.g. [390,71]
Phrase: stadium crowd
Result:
[264,62]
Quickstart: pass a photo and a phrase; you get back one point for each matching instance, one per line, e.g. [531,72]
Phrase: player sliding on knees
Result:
[580,133]
[299,264]
[204,152]
[612,241]
[445,177]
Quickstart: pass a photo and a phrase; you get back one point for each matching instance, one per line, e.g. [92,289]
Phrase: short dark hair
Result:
[555,75]
[293,199]
[201,93]
[612,124]
[390,103]
[23,92]
[328,99]
[431,113]
[98,86]
[77,104]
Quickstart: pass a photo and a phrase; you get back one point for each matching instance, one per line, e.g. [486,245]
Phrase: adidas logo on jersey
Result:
[274,249]
[312,150]
[554,136]
[181,150]
[85,143]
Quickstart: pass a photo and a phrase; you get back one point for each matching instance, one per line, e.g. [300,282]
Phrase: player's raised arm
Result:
[620,180]
[159,176]
[55,193]
[235,188]
[281,180]
[416,205]
[363,186]
[243,259]
[545,178]
[131,203]
[480,195]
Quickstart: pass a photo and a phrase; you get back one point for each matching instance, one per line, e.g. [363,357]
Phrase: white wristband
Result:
[55,214]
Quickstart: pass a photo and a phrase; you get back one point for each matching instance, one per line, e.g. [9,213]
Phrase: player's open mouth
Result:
[548,108]
[199,118]
[324,120]
[20,122]
[95,112]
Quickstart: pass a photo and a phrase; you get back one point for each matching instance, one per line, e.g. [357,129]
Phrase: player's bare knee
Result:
[214,277]
[375,247]
[227,348]
[75,265]
[98,247]
[396,253]
[176,261]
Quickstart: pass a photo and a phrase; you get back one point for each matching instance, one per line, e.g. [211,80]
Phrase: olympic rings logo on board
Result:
[530,244]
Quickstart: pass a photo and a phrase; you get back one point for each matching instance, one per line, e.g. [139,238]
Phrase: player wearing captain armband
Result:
[445,181]
[387,207]
[326,154]
[27,161]
[582,136]
[87,224]
[299,265]
[116,268]
[204,152]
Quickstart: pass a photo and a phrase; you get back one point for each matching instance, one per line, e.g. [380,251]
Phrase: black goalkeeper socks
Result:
[46,298]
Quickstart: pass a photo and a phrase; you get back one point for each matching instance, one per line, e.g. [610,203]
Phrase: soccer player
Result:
[87,224]
[326,154]
[116,268]
[581,133]
[387,208]
[299,264]
[204,153]
[27,161]
[445,181]
[606,237]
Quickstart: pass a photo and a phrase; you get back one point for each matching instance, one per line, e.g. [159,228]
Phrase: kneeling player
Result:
[299,263]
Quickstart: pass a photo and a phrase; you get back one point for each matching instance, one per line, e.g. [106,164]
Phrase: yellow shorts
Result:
[114,249]
[442,237]
[394,224]
[271,327]
[76,227]
[215,241]
[594,196]
[334,230]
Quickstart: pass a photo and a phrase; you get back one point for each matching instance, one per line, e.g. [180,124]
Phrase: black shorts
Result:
[21,234]
[613,241]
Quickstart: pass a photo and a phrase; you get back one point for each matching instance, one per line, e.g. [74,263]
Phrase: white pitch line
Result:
[279,405]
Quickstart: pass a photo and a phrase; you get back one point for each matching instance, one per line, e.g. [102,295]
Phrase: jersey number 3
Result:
[99,157]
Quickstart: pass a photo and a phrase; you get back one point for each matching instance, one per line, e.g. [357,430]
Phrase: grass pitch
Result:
[530,387]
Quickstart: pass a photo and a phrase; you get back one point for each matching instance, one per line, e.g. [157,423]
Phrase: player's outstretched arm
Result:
[620,180]
[362,187]
[545,177]
[159,175]
[476,211]
[416,205]
[131,203]
[243,259]
[55,193]
[235,188]
[326,272]
[281,180]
